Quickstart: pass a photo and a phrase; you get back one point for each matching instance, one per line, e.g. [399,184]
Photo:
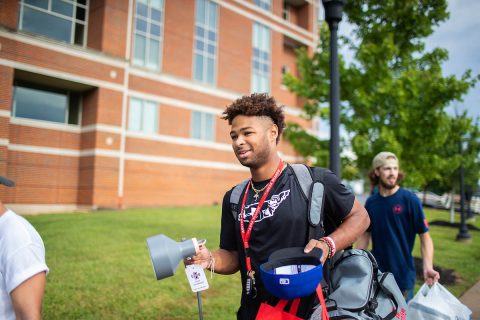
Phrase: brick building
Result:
[117,103]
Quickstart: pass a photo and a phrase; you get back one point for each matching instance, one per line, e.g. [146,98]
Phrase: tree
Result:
[462,147]
[393,94]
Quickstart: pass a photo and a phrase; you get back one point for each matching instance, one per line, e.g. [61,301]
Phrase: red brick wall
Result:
[154,87]
[176,185]
[107,26]
[178,38]
[234,48]
[6,89]
[98,182]
[103,106]
[40,178]
[9,13]
[57,61]
[174,121]
[6,80]
[164,149]
[93,179]
[105,189]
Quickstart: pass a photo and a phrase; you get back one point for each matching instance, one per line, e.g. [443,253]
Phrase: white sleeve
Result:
[23,264]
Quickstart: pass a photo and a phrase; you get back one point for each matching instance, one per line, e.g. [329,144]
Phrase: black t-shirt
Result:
[282,223]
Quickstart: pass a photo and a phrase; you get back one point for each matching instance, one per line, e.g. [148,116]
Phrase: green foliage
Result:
[394,94]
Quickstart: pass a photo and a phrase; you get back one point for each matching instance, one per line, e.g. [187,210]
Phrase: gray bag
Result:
[356,289]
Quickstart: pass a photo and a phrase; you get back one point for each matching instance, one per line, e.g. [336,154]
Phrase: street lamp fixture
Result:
[333,16]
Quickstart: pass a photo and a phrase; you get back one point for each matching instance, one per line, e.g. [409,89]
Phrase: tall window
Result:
[206,35]
[261,58]
[203,126]
[264,4]
[148,33]
[143,116]
[63,20]
[47,104]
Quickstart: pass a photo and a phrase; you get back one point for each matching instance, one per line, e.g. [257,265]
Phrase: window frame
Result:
[206,42]
[156,118]
[264,4]
[148,36]
[68,108]
[72,20]
[203,136]
[257,73]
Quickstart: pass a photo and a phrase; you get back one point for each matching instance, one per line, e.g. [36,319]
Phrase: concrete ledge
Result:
[26,209]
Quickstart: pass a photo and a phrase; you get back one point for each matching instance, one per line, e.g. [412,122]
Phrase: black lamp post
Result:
[463,234]
[333,16]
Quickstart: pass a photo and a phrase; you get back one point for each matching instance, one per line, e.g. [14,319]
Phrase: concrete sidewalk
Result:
[471,299]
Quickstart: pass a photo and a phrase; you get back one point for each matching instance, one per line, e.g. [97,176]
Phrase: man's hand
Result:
[319,244]
[430,276]
[202,258]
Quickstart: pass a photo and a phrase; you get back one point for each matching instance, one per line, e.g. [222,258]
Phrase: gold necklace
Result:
[257,191]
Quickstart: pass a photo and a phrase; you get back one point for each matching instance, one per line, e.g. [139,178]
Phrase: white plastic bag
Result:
[436,303]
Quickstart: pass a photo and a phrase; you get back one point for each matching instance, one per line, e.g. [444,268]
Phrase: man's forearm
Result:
[225,261]
[427,250]
[353,226]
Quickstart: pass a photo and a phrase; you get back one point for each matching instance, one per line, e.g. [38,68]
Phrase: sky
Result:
[460,35]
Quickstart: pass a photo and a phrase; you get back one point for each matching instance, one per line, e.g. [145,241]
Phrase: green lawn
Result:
[100,267]
[463,257]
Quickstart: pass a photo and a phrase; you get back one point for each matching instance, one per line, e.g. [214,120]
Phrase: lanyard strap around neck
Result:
[246,234]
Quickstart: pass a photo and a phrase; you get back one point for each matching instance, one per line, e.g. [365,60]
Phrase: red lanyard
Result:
[246,235]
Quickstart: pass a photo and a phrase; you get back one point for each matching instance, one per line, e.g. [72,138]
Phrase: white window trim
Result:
[157,116]
[144,64]
[203,126]
[264,2]
[41,122]
[73,19]
[215,58]
[253,71]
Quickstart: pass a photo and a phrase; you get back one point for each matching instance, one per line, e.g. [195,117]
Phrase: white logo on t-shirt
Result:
[273,204]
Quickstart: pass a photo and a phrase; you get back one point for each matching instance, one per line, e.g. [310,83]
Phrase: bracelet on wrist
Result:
[329,253]
[331,244]
[211,264]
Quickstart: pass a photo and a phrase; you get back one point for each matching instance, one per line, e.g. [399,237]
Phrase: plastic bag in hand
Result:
[436,303]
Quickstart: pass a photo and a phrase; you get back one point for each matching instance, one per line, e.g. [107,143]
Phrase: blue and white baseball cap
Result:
[7,182]
[290,273]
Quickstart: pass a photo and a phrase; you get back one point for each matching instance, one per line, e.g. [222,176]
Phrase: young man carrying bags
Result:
[272,213]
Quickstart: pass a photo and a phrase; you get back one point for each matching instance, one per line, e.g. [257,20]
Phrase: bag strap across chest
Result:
[310,182]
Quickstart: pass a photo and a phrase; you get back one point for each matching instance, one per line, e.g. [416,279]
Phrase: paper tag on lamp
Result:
[196,277]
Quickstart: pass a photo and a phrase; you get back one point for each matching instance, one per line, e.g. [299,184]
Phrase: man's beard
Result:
[388,186]
[258,160]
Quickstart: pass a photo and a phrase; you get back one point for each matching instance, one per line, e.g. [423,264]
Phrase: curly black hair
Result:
[257,104]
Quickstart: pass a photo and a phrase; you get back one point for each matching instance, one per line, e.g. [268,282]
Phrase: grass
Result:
[100,267]
[462,257]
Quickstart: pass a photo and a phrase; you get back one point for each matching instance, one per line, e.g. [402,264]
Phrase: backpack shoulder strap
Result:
[304,177]
[311,183]
[235,196]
